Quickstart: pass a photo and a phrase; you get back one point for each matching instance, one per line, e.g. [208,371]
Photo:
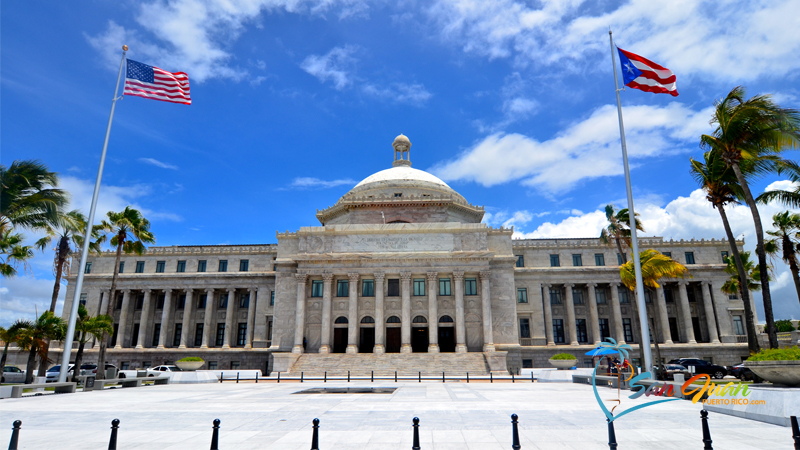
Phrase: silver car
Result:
[13,374]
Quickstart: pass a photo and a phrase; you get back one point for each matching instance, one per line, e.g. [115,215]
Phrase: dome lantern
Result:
[402,147]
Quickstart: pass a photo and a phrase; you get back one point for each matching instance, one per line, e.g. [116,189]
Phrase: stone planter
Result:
[778,372]
[189,366]
[563,364]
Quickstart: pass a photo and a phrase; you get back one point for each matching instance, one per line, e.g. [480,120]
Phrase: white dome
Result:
[402,173]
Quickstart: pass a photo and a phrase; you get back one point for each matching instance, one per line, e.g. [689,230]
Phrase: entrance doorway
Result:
[367,341]
[673,329]
[447,339]
[393,340]
[419,339]
[339,340]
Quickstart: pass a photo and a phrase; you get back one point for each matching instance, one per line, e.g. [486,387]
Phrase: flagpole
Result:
[645,346]
[73,315]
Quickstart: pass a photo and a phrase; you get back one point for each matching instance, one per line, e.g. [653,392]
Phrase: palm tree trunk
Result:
[619,249]
[749,318]
[112,299]
[31,365]
[62,257]
[79,357]
[5,356]
[772,332]
[789,257]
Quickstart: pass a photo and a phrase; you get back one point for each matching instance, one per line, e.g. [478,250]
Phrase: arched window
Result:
[419,319]
[393,319]
[368,319]
[445,319]
[340,319]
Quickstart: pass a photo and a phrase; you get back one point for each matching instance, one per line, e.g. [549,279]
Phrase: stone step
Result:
[386,364]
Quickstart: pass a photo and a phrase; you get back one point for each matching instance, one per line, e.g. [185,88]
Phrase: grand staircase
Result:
[406,364]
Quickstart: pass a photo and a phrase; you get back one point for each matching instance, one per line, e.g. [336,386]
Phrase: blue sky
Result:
[295,101]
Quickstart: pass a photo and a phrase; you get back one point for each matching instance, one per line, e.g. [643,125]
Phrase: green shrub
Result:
[191,359]
[563,356]
[784,326]
[778,354]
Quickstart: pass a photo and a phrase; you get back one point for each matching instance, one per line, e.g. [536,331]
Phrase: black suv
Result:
[702,366]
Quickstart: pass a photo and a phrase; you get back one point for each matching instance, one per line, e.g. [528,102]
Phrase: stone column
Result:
[619,331]
[208,316]
[663,316]
[380,320]
[229,316]
[686,313]
[707,305]
[123,317]
[300,313]
[548,315]
[486,304]
[594,317]
[325,337]
[433,313]
[352,313]
[461,326]
[251,317]
[405,294]
[724,319]
[102,308]
[186,331]
[570,305]
[144,319]
[165,318]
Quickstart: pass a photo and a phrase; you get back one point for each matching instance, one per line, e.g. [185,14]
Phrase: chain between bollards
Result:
[706,433]
[612,437]
[415,445]
[795,433]
[514,433]
[215,435]
[112,443]
[15,435]
[315,435]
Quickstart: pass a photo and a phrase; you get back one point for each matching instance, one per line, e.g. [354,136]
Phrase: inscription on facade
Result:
[393,243]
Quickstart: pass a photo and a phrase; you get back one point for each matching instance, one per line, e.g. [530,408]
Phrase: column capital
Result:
[146,290]
[546,286]
[231,289]
[432,276]
[707,283]
[327,277]
[458,275]
[209,291]
[379,276]
[683,282]
[405,276]
[485,274]
[125,291]
[301,277]
[594,285]
[614,283]
[353,277]
[569,285]
[167,290]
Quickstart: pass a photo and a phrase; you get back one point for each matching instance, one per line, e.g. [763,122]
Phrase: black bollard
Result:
[612,437]
[112,443]
[795,433]
[221,376]
[371,376]
[279,377]
[491,378]
[348,376]
[15,435]
[237,377]
[257,372]
[531,376]
[419,374]
[301,376]
[215,436]
[315,436]
[514,433]
[467,377]
[415,445]
[325,380]
[395,376]
[512,378]
[442,377]
[706,433]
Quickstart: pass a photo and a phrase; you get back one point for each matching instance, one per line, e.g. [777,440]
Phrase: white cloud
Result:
[25,295]
[316,183]
[335,66]
[585,150]
[158,163]
[112,198]
[399,92]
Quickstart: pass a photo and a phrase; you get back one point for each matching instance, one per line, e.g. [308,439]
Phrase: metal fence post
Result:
[348,376]
[795,432]
[215,436]
[279,377]
[325,379]
[257,372]
[442,377]
[415,445]
[467,377]
[491,378]
[514,433]
[221,376]
[612,437]
[395,376]
[531,376]
[315,436]
[301,376]
[237,377]
[512,378]
[112,443]
[15,435]
[419,374]
[371,376]
[706,433]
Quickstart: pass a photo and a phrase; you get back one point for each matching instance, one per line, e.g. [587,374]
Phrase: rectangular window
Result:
[120,297]
[689,257]
[272,298]
[220,334]
[244,300]
[212,365]
[201,265]
[648,296]
[181,267]
[470,286]
[223,265]
[524,328]
[738,326]
[555,296]
[125,365]
[235,365]
[393,288]
[580,327]
[690,294]
[522,295]
[628,329]
[599,259]
[114,336]
[139,266]
[605,332]
[600,296]
[724,257]
[139,302]
[667,254]
[134,335]
[520,261]
[160,266]
[223,301]
[198,335]
[241,334]
[176,338]
[419,286]
[732,296]
[619,260]
[577,296]
[160,301]
[444,286]
[577,260]
[201,301]
[244,265]
[527,364]
[623,295]
[83,299]
[368,288]
[669,297]
[121,266]
[342,288]
[88,268]
[181,302]
[156,333]
[554,261]
[316,288]
[558,331]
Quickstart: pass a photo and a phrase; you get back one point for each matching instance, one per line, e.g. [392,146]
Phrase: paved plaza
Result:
[453,415]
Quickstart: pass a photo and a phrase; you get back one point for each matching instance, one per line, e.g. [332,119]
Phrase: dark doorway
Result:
[419,340]
[673,329]
[367,341]
[698,332]
[393,340]
[339,340]
[447,339]
[135,335]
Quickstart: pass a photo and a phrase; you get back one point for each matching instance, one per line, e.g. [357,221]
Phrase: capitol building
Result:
[400,274]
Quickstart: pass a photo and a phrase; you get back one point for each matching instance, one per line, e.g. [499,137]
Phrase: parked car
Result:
[159,370]
[671,369]
[701,366]
[12,374]
[52,373]
[86,369]
[744,373]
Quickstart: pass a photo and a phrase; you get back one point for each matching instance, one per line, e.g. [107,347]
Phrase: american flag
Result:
[641,73]
[146,81]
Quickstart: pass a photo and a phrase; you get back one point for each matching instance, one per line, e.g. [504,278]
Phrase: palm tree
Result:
[734,285]
[618,231]
[28,195]
[13,252]
[786,239]
[721,188]
[790,198]
[86,328]
[129,232]
[750,129]
[8,336]
[655,266]
[34,335]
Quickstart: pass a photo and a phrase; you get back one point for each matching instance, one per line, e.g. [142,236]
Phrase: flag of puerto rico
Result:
[641,73]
